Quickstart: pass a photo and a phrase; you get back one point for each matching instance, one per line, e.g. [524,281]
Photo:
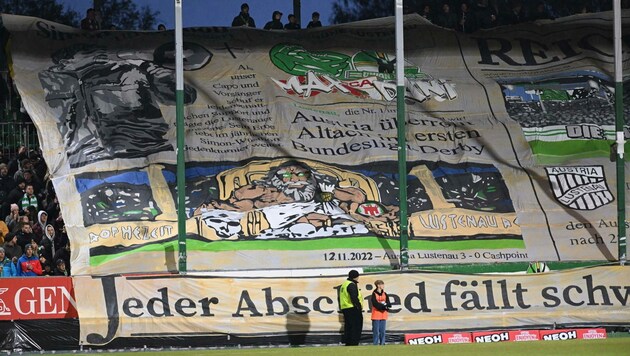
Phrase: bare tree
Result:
[125,15]
[46,9]
[356,10]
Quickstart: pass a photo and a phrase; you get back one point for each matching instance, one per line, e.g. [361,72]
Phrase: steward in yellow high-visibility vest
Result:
[351,305]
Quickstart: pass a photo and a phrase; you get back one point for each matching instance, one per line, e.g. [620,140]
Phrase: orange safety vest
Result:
[377,314]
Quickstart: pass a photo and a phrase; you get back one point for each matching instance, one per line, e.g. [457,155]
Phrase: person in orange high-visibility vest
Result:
[380,305]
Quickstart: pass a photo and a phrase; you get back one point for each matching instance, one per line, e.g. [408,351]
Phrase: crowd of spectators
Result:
[244,19]
[33,239]
[462,15]
[471,15]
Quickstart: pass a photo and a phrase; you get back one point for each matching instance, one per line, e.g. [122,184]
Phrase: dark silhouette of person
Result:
[314,21]
[292,24]
[243,18]
[90,22]
[275,23]
[298,326]
[446,18]
[515,15]
[484,14]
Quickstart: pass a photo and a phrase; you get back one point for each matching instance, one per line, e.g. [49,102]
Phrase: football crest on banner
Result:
[580,188]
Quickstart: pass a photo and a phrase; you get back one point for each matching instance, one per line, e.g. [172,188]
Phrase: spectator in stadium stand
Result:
[446,18]
[47,267]
[90,22]
[30,178]
[35,247]
[427,12]
[161,27]
[25,236]
[47,248]
[64,254]
[42,260]
[7,267]
[4,231]
[23,219]
[52,204]
[7,183]
[11,247]
[39,168]
[243,18]
[60,269]
[25,165]
[314,21]
[351,305]
[40,225]
[14,197]
[515,15]
[60,229]
[465,20]
[14,164]
[540,12]
[13,218]
[61,240]
[484,15]
[275,23]
[29,198]
[292,24]
[28,265]
[380,306]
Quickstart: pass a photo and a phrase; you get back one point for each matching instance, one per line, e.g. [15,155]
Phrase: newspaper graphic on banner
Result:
[291,143]
[112,307]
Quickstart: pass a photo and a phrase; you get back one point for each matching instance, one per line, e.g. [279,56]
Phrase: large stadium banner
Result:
[291,147]
[153,306]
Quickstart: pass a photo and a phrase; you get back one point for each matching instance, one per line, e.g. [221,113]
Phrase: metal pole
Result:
[98,7]
[297,11]
[402,143]
[179,118]
[620,142]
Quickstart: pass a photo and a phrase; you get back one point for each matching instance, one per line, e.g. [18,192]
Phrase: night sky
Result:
[221,12]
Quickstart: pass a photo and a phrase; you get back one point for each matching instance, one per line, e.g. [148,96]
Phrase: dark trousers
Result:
[353,325]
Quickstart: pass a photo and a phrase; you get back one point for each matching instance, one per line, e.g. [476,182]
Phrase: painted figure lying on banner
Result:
[107,101]
[293,200]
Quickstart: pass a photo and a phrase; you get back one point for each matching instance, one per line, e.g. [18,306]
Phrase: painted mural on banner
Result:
[112,307]
[291,143]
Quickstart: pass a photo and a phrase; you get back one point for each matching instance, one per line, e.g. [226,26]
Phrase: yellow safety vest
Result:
[344,297]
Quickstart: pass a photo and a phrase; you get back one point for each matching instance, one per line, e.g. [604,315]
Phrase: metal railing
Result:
[16,134]
[16,128]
